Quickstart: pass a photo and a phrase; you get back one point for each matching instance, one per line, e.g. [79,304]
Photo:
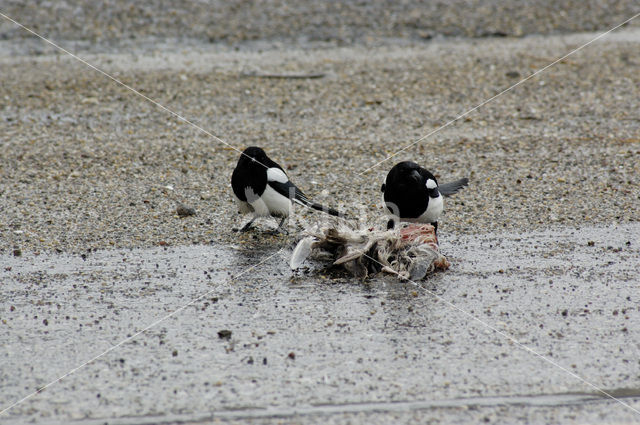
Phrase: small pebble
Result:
[224,334]
[185,211]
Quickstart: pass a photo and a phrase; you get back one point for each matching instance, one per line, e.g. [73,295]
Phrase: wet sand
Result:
[319,347]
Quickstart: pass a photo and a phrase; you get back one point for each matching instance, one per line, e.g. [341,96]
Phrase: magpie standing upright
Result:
[262,187]
[411,193]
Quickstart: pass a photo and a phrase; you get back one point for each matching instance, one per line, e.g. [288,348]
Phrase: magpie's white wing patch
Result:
[431,184]
[275,174]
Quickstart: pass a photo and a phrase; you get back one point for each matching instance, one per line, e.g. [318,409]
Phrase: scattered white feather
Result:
[301,252]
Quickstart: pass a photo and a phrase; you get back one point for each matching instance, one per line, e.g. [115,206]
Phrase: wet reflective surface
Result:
[320,343]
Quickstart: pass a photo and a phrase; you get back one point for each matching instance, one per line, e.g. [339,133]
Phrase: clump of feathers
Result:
[410,251]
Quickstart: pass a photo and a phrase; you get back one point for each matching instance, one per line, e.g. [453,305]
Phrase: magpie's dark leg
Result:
[435,227]
[390,224]
[247,226]
[280,228]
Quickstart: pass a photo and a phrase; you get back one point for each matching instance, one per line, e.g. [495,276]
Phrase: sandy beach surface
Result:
[544,243]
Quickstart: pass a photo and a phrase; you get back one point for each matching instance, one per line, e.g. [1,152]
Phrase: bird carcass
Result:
[410,251]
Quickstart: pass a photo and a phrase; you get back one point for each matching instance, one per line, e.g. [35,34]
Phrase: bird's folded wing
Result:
[278,180]
[448,189]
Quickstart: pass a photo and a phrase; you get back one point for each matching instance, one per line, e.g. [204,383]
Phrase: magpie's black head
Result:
[407,171]
[253,154]
[408,188]
[251,172]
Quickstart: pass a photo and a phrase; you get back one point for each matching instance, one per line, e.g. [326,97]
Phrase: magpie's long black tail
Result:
[448,189]
[307,203]
[301,198]
[327,210]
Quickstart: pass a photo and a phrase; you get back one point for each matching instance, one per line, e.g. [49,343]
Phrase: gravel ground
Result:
[106,21]
[86,163]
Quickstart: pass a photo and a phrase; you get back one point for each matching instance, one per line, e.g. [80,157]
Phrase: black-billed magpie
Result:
[412,194]
[262,187]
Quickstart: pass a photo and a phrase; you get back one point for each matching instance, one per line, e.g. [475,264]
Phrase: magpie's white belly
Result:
[243,206]
[433,212]
[431,215]
[271,203]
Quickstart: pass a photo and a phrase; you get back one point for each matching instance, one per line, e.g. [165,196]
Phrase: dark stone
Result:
[224,334]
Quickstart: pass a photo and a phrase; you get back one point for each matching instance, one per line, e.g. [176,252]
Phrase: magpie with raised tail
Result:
[262,187]
[412,194]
